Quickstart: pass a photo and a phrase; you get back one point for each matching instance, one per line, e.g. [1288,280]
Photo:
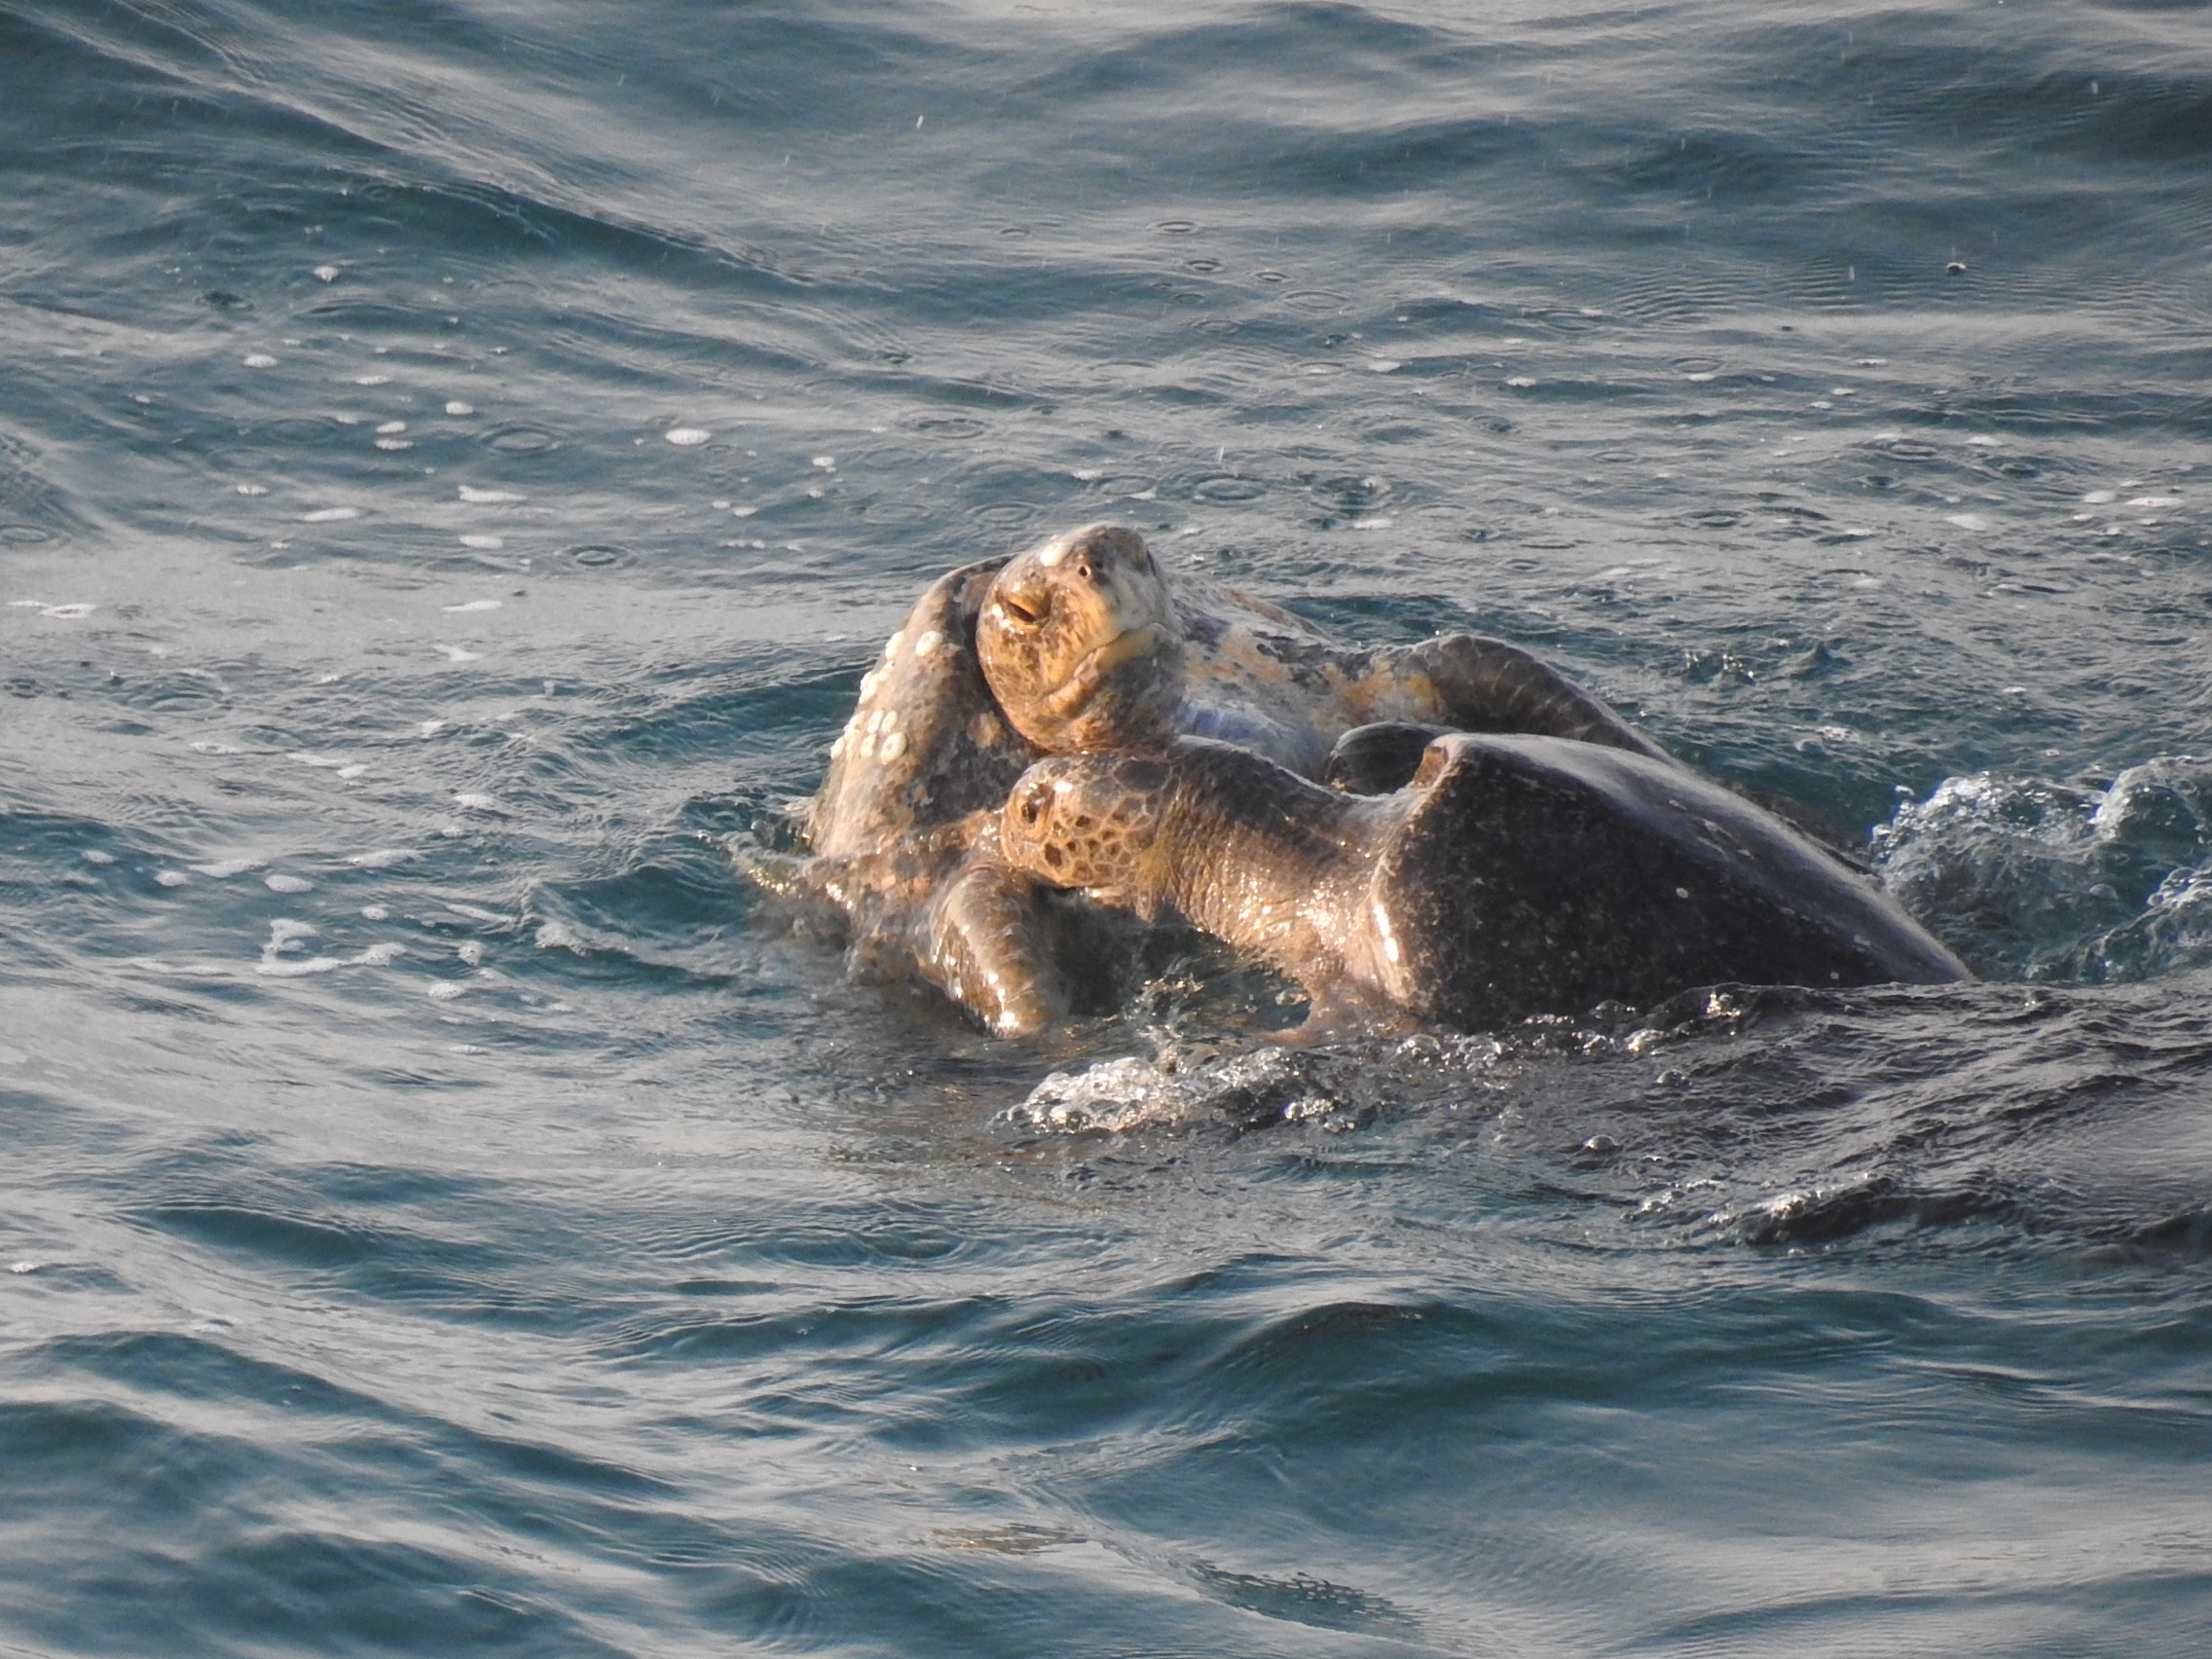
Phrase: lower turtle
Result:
[1513,875]
[1081,644]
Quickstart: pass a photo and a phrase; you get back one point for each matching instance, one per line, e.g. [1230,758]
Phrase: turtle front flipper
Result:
[1378,758]
[927,744]
[982,940]
[1476,683]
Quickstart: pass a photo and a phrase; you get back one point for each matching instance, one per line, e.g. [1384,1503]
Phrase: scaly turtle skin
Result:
[1513,875]
[1080,644]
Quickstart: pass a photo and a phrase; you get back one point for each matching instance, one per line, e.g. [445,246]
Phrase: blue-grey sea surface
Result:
[456,460]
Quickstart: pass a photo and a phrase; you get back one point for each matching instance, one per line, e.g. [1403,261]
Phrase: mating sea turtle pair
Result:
[1081,649]
[1082,646]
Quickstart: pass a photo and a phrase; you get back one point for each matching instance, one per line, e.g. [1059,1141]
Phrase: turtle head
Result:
[1089,820]
[1082,644]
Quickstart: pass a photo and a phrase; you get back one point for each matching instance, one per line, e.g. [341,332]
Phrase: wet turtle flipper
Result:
[1486,684]
[983,942]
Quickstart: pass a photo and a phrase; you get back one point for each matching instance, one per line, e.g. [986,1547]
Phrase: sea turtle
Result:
[1083,644]
[1513,875]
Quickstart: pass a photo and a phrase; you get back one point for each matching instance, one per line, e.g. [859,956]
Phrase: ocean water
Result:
[456,460]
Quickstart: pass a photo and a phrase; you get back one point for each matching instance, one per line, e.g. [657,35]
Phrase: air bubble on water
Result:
[280,883]
[1088,474]
[1381,521]
[286,935]
[559,936]
[258,360]
[377,912]
[381,858]
[351,770]
[389,427]
[306,758]
[487,497]
[2154,500]
[476,802]
[1980,441]
[454,406]
[330,515]
[1519,380]
[69,612]
[207,746]
[172,878]
[94,856]
[471,605]
[222,870]
[381,955]
[826,462]
[372,379]
[484,543]
[461,653]
[445,991]
[687,437]
[1701,376]
[326,274]
[1967,521]
[1383,365]
[251,489]
[429,728]
[475,912]
[396,443]
[2098,498]
[743,512]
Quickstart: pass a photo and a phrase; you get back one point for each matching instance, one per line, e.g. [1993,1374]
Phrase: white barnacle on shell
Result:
[869,681]
[928,642]
[1052,555]
[892,746]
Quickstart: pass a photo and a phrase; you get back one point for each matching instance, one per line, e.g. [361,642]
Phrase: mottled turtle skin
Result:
[1513,875]
[1081,645]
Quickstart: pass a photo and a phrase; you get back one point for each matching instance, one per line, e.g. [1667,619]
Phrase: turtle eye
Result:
[1031,808]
